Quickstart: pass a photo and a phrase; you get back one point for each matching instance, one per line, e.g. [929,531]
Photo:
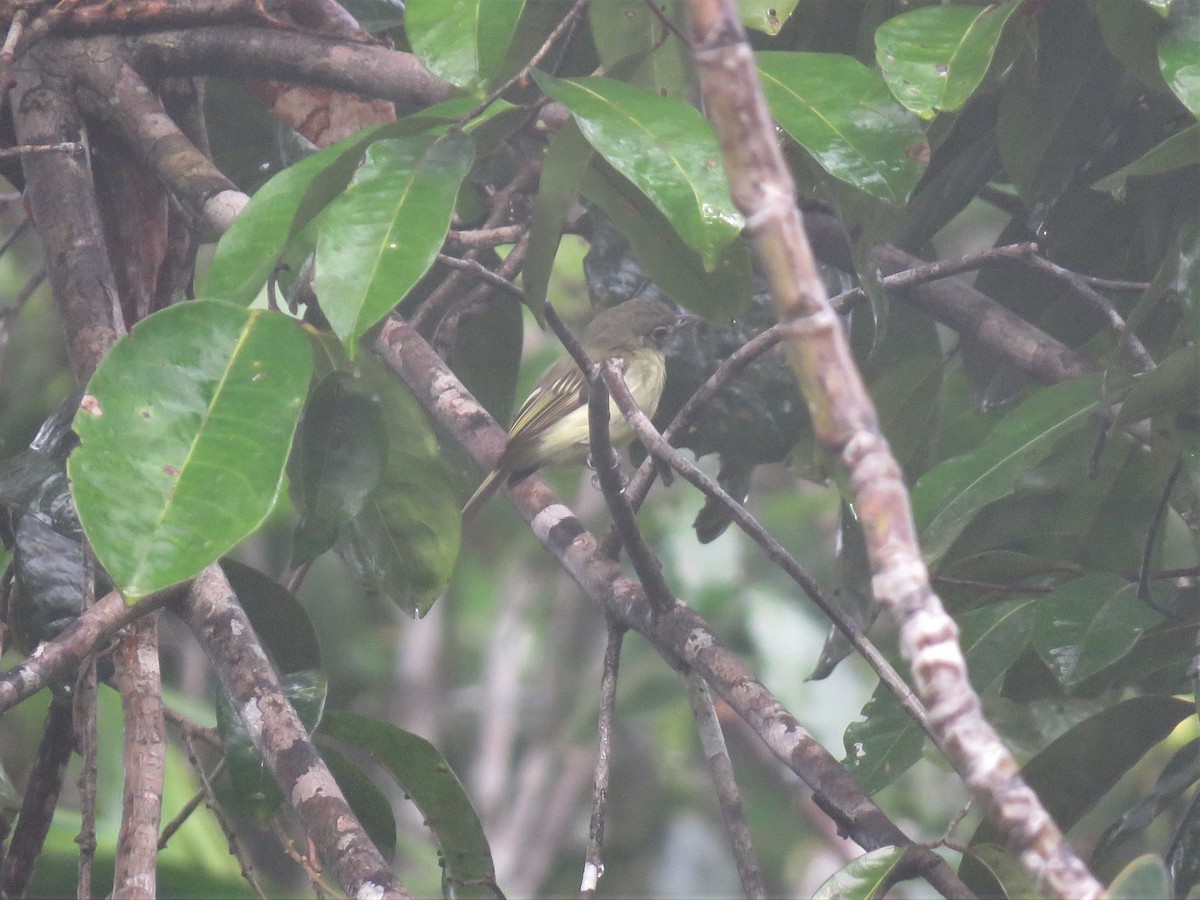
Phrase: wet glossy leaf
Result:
[429,782]
[283,208]
[841,112]
[379,237]
[403,543]
[632,46]
[1088,624]
[1179,57]
[718,295]
[933,58]
[863,878]
[888,742]
[339,456]
[948,496]
[182,449]
[462,41]
[665,148]
[1146,878]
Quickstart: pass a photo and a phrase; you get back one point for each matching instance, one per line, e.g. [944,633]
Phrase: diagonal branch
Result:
[680,636]
[845,422]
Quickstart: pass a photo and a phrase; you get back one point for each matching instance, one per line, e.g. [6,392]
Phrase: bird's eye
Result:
[660,334]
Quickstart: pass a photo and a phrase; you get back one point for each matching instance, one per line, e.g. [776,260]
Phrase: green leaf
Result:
[1131,32]
[1006,870]
[461,41]
[1076,770]
[634,45]
[1146,878]
[1179,774]
[373,809]
[1179,59]
[183,444]
[1057,104]
[279,619]
[284,207]
[1176,152]
[427,779]
[403,542]
[948,496]
[566,160]
[863,878]
[1173,386]
[339,456]
[379,237]
[1088,624]
[1187,276]
[768,16]
[933,58]
[888,742]
[676,269]
[665,148]
[906,397]
[842,113]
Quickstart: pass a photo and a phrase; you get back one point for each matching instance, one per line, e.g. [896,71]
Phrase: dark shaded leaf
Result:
[279,619]
[339,456]
[1179,774]
[428,781]
[368,802]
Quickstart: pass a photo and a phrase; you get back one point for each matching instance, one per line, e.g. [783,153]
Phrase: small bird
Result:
[551,427]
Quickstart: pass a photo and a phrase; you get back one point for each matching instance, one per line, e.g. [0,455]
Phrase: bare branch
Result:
[720,768]
[145,749]
[593,867]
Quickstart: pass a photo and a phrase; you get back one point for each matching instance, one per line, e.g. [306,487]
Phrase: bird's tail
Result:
[482,494]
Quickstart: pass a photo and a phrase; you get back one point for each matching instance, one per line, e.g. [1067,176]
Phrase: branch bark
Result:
[845,423]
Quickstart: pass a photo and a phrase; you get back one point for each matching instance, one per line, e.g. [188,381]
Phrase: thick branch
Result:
[240,52]
[221,626]
[845,422]
[138,679]
[60,194]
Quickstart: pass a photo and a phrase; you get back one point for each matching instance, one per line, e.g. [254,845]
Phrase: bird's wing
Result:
[548,403]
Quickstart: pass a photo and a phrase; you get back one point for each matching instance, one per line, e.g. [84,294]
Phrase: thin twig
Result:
[85,740]
[185,812]
[482,238]
[658,447]
[478,269]
[1160,515]
[1095,301]
[593,867]
[14,234]
[720,768]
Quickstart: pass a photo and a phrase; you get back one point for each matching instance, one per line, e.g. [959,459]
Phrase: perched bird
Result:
[551,427]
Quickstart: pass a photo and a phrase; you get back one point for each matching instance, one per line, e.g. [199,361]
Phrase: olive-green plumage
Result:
[551,427]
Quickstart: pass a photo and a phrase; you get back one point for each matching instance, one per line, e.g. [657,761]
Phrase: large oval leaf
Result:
[379,237]
[933,58]
[862,878]
[183,439]
[427,779]
[842,113]
[948,496]
[665,148]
